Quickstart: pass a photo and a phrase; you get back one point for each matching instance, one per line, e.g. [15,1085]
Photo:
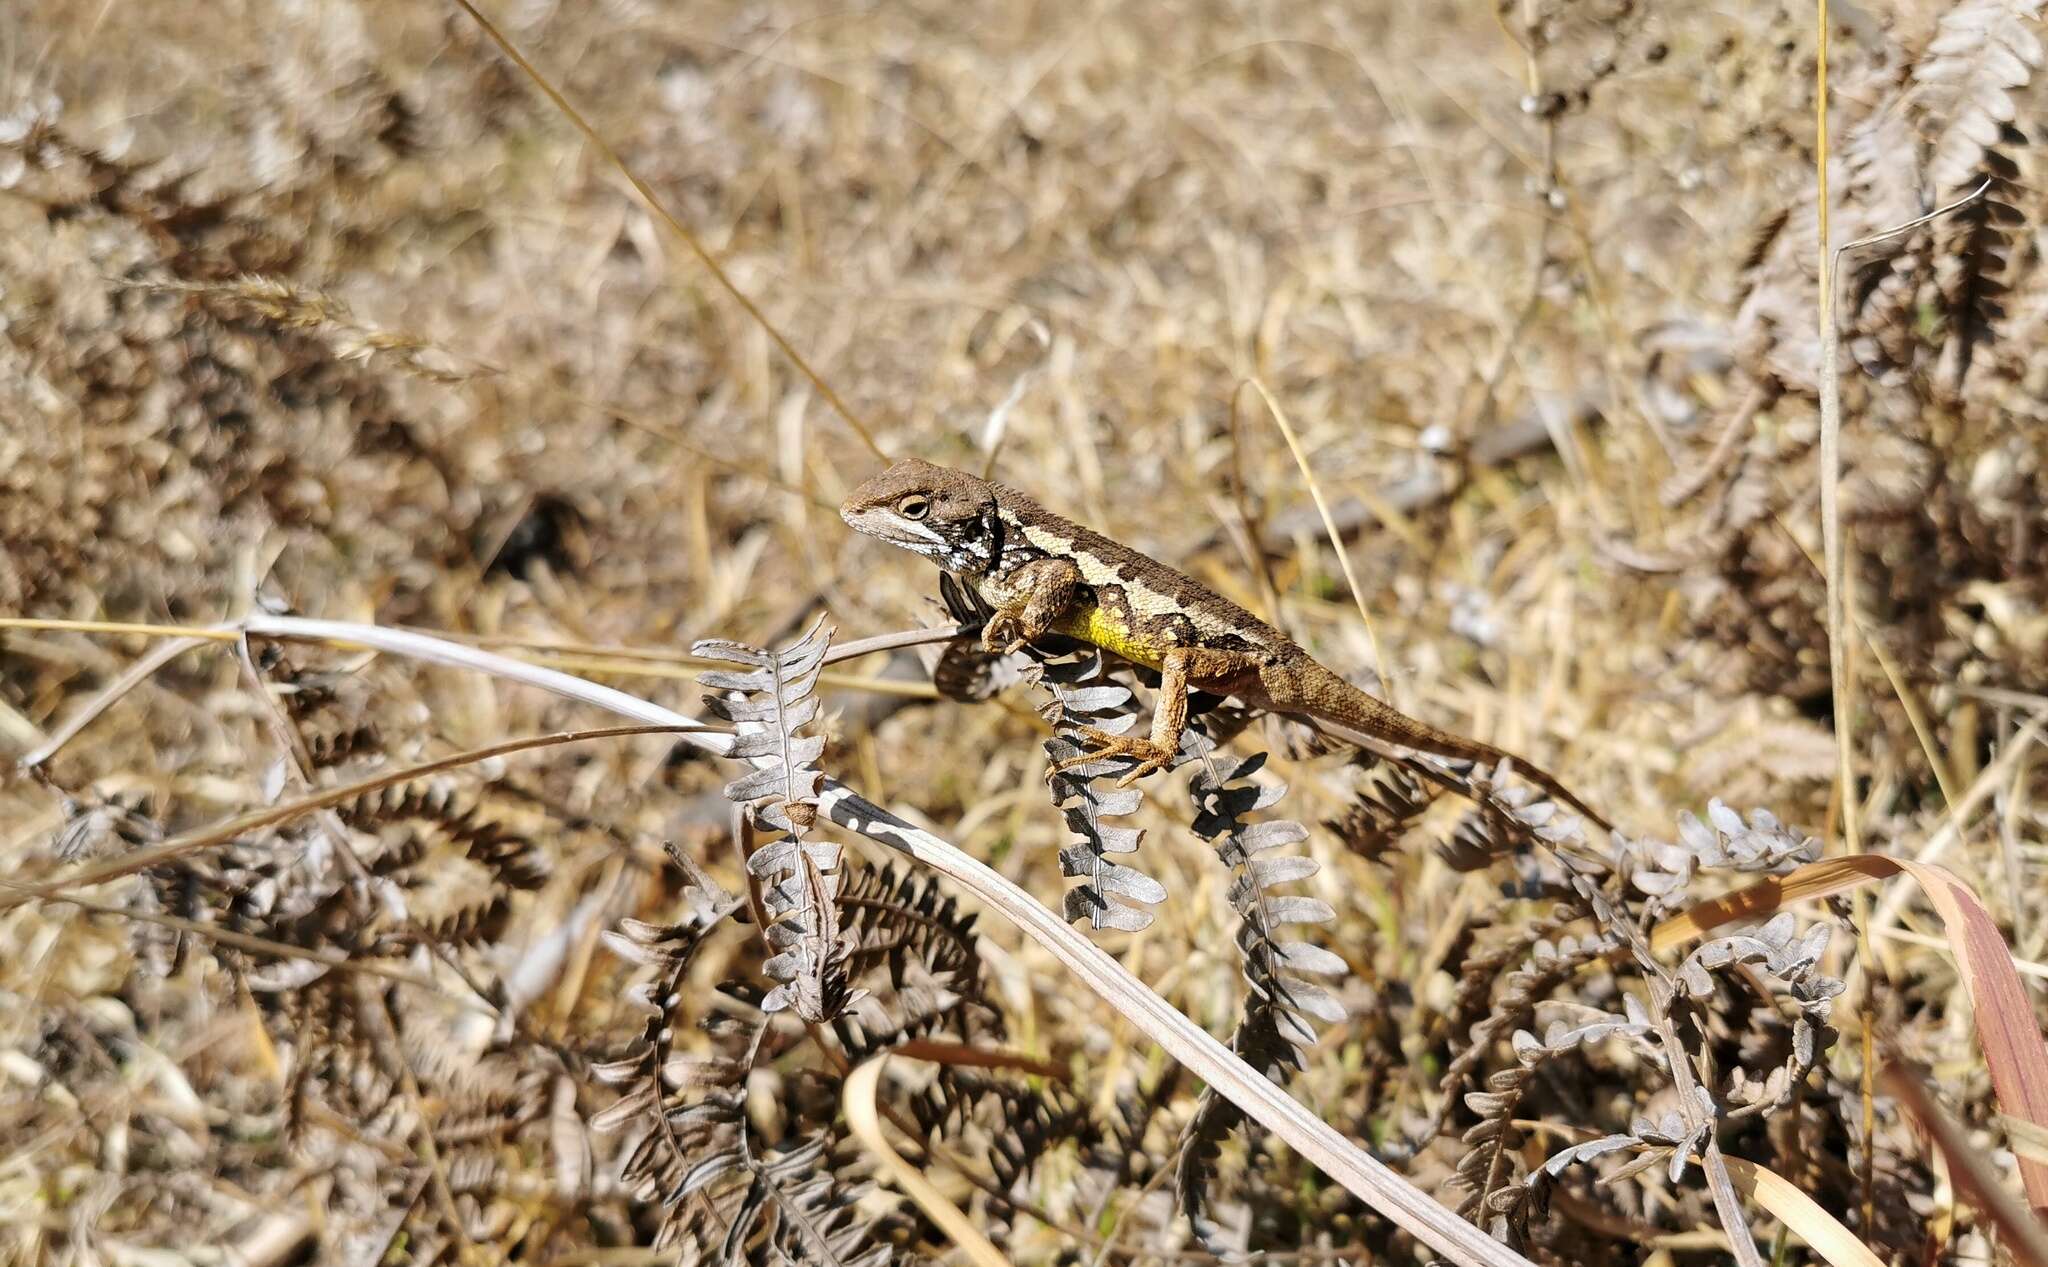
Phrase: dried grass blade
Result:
[2022,1232]
[1393,519]
[862,1118]
[2027,1139]
[1821,1231]
[156,658]
[2013,1048]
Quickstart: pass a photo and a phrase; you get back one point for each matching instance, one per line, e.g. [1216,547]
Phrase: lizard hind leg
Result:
[1160,749]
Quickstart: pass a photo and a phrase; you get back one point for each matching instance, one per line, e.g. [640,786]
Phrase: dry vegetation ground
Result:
[321,304]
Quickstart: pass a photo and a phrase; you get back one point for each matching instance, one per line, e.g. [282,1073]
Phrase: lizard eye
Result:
[914,506]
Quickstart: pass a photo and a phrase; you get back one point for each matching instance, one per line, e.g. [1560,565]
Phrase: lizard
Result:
[1041,574]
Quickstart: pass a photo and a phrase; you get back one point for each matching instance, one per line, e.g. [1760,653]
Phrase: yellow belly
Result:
[1092,624]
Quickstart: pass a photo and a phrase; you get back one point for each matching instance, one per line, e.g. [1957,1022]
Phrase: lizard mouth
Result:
[894,529]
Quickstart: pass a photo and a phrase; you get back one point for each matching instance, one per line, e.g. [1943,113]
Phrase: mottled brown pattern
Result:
[1044,573]
[1139,576]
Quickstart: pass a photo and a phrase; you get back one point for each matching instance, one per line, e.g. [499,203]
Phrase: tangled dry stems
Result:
[337,308]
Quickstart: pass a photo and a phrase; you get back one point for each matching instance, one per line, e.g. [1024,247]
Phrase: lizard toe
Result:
[1149,763]
[1148,756]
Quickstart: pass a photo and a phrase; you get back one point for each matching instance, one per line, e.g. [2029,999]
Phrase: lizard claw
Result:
[1101,745]
[1003,634]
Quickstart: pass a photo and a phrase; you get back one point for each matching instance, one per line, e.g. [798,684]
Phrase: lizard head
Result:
[945,515]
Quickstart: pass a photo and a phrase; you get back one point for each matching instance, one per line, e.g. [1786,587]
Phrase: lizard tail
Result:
[1346,708]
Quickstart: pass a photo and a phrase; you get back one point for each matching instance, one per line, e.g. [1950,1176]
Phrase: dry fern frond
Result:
[512,858]
[95,824]
[1963,83]
[1884,182]
[668,950]
[1779,950]
[799,877]
[1487,1169]
[808,1216]
[1973,250]
[1508,819]
[897,918]
[1111,894]
[1282,1003]
[1740,1060]
[687,1115]
[1020,1123]
[1762,845]
[1525,964]
[1513,1206]
[775,702]
[1389,799]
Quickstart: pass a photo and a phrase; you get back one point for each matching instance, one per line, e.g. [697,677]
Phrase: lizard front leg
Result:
[1211,669]
[1047,589]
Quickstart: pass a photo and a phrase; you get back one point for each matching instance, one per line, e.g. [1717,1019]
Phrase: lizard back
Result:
[1141,608]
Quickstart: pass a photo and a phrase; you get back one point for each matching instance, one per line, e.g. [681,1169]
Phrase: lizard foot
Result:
[1003,634]
[1101,745]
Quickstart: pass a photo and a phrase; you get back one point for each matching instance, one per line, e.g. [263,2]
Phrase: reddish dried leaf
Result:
[2021,1232]
[2013,1049]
